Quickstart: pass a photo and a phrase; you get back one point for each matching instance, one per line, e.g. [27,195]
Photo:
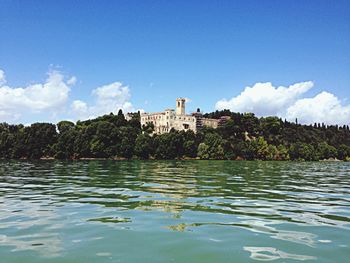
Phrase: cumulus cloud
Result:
[50,100]
[48,96]
[4,115]
[264,99]
[72,81]
[108,98]
[324,107]
[2,77]
[79,108]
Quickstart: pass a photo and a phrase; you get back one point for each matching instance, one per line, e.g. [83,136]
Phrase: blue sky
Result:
[203,50]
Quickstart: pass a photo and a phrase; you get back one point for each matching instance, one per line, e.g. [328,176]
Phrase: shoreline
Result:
[154,159]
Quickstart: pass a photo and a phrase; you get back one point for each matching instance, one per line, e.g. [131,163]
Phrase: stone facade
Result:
[214,123]
[178,119]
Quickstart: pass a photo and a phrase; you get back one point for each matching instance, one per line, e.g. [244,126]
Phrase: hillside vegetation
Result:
[244,136]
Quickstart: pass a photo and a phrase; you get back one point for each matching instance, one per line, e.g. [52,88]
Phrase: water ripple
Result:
[45,204]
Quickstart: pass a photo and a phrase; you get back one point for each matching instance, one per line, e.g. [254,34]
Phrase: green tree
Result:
[143,146]
[190,148]
[64,148]
[303,151]
[262,148]
[282,153]
[203,151]
[148,128]
[169,145]
[343,152]
[105,141]
[39,139]
[212,147]
[326,151]
[272,152]
[128,137]
[64,126]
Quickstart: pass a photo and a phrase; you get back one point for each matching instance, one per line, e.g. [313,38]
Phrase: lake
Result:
[174,211]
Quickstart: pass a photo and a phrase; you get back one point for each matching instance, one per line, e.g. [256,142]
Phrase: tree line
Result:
[242,137]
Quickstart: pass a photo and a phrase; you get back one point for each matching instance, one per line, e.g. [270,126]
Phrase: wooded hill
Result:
[244,136]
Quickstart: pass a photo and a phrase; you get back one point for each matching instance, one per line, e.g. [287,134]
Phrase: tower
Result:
[180,106]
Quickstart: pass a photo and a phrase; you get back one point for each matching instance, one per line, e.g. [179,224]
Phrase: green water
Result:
[174,211]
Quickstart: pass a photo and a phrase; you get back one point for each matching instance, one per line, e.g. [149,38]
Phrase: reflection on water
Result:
[51,207]
[111,220]
[270,253]
[22,216]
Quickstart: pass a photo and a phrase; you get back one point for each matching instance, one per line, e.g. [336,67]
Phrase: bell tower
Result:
[180,106]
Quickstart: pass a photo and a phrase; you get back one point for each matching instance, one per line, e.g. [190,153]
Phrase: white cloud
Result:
[2,77]
[80,108]
[264,99]
[72,81]
[4,115]
[49,100]
[108,98]
[324,107]
[49,96]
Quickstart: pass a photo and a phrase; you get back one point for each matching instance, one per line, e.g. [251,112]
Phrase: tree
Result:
[64,148]
[128,137]
[262,148]
[148,128]
[169,145]
[282,153]
[249,151]
[242,136]
[38,140]
[120,121]
[272,152]
[303,151]
[203,151]
[343,152]
[190,148]
[143,146]
[271,128]
[64,126]
[105,141]
[212,147]
[326,151]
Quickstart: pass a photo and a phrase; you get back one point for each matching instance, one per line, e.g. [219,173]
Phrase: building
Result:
[214,123]
[177,119]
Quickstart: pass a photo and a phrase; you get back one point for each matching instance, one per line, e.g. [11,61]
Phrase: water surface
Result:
[174,211]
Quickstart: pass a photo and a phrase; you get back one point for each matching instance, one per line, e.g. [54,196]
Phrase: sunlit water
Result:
[174,211]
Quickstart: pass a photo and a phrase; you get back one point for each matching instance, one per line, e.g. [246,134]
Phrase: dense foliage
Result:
[244,136]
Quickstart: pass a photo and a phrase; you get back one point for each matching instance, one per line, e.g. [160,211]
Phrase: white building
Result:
[164,121]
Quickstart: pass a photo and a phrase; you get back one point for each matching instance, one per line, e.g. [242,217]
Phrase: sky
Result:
[80,59]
